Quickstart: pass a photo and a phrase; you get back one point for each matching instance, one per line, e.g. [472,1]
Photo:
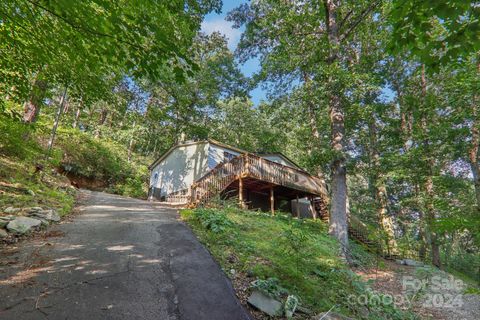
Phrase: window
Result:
[227,156]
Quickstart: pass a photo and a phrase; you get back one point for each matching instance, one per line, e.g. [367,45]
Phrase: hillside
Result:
[30,176]
[290,257]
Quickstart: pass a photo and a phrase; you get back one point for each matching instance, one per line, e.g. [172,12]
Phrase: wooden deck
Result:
[252,171]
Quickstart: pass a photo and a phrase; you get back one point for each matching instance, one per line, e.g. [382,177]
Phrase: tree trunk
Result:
[474,152]
[338,214]
[57,119]
[101,122]
[406,118]
[77,116]
[103,117]
[384,219]
[428,183]
[422,251]
[32,106]
[474,156]
[130,149]
[131,144]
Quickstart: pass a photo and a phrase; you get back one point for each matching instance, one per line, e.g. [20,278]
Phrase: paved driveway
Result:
[119,258]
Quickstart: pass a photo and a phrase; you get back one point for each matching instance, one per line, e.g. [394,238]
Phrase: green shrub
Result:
[17,138]
[270,287]
[101,159]
[131,187]
[213,220]
[91,157]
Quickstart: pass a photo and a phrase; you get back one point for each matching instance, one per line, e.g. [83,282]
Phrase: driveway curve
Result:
[118,258]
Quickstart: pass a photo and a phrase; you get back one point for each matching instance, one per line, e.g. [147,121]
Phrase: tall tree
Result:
[41,38]
[295,39]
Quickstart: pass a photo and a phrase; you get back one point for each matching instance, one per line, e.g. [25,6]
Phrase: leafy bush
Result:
[290,306]
[102,159]
[213,220]
[91,157]
[132,187]
[16,138]
[270,287]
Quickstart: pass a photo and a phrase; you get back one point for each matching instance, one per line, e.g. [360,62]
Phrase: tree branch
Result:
[344,20]
[359,19]
[79,27]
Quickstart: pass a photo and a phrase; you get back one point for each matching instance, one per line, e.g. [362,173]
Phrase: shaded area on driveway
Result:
[120,258]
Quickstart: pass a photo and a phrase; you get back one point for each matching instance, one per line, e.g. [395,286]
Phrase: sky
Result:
[216,22]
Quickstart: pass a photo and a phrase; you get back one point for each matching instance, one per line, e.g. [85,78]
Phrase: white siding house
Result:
[173,174]
[218,153]
[178,168]
[185,163]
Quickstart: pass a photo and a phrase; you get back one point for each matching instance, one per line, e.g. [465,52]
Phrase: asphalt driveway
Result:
[119,258]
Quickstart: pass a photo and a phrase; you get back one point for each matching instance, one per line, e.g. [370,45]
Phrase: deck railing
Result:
[276,173]
[249,165]
[217,179]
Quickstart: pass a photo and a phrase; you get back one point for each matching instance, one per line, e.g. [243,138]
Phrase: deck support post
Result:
[272,201]
[312,208]
[298,208]
[240,192]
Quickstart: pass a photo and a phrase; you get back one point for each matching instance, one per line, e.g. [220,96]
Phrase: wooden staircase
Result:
[216,180]
[320,205]
[357,230]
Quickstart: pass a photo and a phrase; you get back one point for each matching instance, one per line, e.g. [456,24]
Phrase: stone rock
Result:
[4,220]
[3,234]
[265,303]
[50,215]
[331,316]
[33,209]
[22,225]
[30,192]
[412,263]
[44,222]
[11,210]
[304,310]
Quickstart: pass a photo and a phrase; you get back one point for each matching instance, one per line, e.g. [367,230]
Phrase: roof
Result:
[163,156]
[223,145]
[281,155]
[220,144]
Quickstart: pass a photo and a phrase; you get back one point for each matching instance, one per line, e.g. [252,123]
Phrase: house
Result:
[195,172]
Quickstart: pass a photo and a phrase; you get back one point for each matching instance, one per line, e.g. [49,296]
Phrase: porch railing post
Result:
[272,201]
[240,192]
